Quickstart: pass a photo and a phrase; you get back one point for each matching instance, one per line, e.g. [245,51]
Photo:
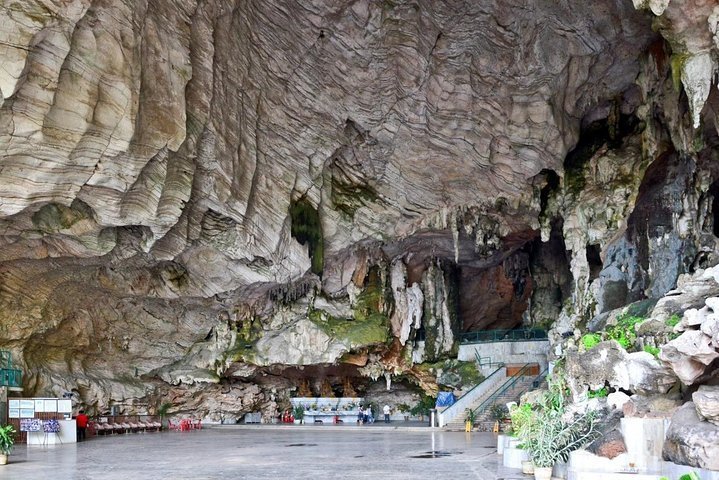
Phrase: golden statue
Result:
[304,389]
[347,390]
[326,389]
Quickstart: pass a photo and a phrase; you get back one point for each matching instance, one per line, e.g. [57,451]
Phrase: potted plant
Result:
[469,419]
[404,409]
[552,439]
[162,411]
[7,440]
[299,414]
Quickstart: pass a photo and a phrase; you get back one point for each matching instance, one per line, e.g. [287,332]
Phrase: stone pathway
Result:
[233,452]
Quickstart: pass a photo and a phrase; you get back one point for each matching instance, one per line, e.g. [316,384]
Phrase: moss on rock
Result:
[307,230]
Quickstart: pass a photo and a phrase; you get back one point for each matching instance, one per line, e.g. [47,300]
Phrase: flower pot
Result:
[500,443]
[513,457]
[297,421]
[527,467]
[559,470]
[3,459]
[542,473]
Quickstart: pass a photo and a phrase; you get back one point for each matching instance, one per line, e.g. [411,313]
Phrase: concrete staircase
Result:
[506,391]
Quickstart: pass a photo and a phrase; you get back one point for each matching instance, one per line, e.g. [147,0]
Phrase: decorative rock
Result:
[691,441]
[608,362]
[656,406]
[689,355]
[706,401]
[617,399]
[610,445]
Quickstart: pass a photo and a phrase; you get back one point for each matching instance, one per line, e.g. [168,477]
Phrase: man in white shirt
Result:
[386,411]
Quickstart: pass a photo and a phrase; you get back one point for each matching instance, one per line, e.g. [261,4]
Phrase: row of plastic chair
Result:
[100,428]
[185,425]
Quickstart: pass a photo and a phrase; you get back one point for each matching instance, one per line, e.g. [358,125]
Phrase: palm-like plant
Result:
[552,439]
[7,439]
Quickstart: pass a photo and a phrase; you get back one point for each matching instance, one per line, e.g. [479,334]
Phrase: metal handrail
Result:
[481,361]
[460,402]
[515,335]
[538,379]
[506,386]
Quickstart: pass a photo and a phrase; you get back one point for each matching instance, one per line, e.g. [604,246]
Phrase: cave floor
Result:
[225,452]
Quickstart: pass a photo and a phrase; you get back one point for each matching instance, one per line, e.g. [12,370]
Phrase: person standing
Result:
[386,410]
[81,421]
[360,415]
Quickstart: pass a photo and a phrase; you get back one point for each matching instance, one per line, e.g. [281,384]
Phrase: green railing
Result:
[511,381]
[10,377]
[516,335]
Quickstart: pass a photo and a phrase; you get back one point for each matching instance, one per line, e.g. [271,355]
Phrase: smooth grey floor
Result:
[267,453]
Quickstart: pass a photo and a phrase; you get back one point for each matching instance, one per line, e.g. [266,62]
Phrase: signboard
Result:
[50,405]
[64,406]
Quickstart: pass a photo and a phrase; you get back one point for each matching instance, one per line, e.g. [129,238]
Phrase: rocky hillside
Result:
[216,202]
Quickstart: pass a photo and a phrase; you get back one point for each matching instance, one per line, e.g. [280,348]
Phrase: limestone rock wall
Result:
[198,195]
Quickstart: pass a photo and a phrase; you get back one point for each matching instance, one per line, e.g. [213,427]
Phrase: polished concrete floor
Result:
[227,452]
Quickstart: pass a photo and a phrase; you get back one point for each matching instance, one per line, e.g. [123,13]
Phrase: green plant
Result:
[600,393]
[470,415]
[498,412]
[403,407]
[163,409]
[624,332]
[653,350]
[673,321]
[590,340]
[523,419]
[299,412]
[7,439]
[423,406]
[686,476]
[552,439]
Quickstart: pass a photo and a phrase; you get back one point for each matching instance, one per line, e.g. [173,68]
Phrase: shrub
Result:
[601,393]
[7,439]
[650,349]
[673,320]
[624,332]
[590,340]
[498,412]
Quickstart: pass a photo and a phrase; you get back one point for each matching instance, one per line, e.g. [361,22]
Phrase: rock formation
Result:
[214,202]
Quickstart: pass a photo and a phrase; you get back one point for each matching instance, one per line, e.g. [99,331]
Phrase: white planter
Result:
[513,457]
[298,422]
[559,470]
[3,459]
[528,467]
[500,443]
[542,473]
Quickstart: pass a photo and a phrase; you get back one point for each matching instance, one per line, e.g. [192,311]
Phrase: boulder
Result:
[655,406]
[706,401]
[689,355]
[617,399]
[608,363]
[610,445]
[611,442]
[691,441]
[691,292]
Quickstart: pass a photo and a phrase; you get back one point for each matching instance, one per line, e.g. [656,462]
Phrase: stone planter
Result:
[542,473]
[528,467]
[513,457]
[501,439]
[559,470]
[3,459]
